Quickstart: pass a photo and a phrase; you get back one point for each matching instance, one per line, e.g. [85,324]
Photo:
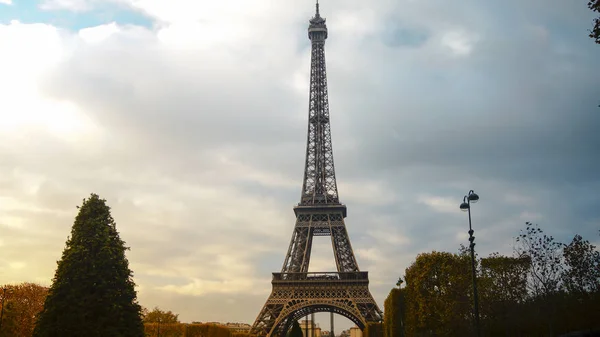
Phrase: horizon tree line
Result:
[546,288]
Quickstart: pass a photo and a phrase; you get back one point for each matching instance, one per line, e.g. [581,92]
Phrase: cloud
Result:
[99,33]
[459,43]
[77,6]
[193,129]
[73,5]
[439,204]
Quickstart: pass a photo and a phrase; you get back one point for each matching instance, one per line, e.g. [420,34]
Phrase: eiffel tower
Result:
[296,292]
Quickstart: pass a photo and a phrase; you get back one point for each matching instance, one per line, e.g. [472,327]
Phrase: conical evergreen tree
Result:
[92,293]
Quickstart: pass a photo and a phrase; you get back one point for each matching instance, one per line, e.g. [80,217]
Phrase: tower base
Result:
[295,295]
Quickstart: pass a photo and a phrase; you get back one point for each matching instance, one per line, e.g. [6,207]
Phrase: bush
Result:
[164,330]
[373,330]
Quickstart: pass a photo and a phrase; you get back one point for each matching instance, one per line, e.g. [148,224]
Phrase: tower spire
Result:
[319,185]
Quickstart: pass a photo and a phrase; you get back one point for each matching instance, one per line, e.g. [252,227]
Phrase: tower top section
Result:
[319,187]
[317,30]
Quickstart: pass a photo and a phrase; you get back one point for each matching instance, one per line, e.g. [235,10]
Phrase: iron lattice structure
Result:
[296,292]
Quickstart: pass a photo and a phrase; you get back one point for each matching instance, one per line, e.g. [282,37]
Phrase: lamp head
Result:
[464,207]
[473,197]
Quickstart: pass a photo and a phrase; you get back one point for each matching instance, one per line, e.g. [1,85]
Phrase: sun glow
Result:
[23,65]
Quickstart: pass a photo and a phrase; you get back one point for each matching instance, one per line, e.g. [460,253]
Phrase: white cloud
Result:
[439,204]
[367,192]
[201,287]
[17,265]
[371,255]
[530,216]
[78,5]
[519,199]
[26,109]
[99,33]
[73,5]
[458,42]
[6,2]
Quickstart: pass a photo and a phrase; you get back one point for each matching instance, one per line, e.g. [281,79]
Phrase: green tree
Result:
[160,316]
[25,300]
[295,331]
[582,274]
[92,293]
[373,329]
[393,313]
[581,279]
[503,288]
[438,295]
[545,255]
[544,277]
[594,5]
[207,330]
[9,326]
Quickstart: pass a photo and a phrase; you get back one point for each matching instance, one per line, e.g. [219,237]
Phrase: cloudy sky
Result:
[189,117]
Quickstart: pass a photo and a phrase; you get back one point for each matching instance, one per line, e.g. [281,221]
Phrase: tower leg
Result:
[331,325]
[306,326]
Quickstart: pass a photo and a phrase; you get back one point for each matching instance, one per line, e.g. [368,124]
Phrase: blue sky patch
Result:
[29,11]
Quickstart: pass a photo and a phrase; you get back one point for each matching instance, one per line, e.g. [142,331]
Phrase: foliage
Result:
[206,330]
[594,5]
[295,331]
[164,330]
[9,320]
[545,289]
[159,316]
[23,303]
[545,255]
[438,291]
[544,275]
[190,330]
[373,329]
[581,279]
[583,267]
[92,293]
[506,276]
[502,287]
[394,309]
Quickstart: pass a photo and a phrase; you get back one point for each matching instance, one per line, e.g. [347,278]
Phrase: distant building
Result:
[313,328]
[345,333]
[234,327]
[355,332]
[239,327]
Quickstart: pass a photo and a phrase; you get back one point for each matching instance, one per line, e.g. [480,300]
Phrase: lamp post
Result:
[472,197]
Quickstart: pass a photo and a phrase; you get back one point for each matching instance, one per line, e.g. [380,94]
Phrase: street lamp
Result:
[470,198]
